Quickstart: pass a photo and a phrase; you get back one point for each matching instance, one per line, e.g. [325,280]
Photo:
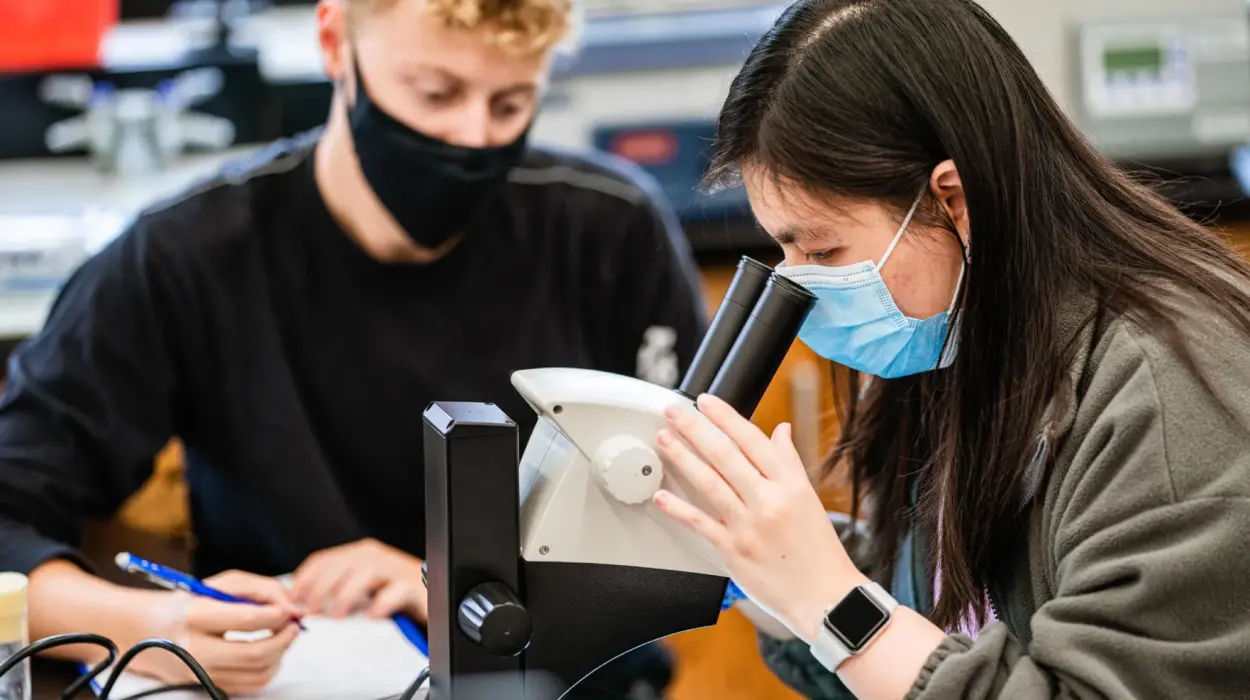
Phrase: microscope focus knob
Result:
[628,469]
[493,617]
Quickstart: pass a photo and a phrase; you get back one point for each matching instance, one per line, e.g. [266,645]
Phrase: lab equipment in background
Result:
[15,685]
[541,572]
[146,53]
[647,86]
[1156,85]
[677,154]
[137,131]
[1176,87]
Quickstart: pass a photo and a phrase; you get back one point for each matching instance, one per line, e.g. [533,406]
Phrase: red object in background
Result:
[53,34]
[652,147]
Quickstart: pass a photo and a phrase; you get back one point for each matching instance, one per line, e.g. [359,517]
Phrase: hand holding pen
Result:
[173,579]
[231,602]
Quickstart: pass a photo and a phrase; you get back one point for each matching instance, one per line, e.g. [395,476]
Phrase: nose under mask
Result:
[857,323]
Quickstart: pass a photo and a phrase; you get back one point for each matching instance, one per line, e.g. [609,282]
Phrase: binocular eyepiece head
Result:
[749,337]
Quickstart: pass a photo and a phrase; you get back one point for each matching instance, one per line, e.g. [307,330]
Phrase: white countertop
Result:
[72,186]
[73,189]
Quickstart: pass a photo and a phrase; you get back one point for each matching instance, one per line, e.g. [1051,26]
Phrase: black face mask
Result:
[431,188]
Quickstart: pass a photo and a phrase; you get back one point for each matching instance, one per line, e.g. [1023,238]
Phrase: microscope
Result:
[136,131]
[541,570]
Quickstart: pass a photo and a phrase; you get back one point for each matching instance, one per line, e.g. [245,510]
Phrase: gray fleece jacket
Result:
[1131,577]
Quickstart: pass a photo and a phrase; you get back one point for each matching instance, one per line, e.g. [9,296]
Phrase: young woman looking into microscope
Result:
[1051,441]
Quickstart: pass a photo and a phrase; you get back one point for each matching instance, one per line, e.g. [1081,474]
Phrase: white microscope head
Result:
[590,469]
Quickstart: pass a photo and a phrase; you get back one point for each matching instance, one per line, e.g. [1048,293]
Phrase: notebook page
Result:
[356,658]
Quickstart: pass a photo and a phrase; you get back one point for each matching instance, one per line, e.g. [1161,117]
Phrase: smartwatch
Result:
[852,624]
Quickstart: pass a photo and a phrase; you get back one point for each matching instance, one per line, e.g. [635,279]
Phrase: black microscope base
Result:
[586,615]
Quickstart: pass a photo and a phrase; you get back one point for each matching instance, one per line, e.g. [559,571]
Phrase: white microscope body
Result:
[590,469]
[588,474]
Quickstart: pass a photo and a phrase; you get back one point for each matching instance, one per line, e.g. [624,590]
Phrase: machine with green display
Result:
[1148,81]
[1169,88]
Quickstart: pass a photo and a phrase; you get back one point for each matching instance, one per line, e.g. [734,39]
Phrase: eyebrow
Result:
[796,234]
[415,69]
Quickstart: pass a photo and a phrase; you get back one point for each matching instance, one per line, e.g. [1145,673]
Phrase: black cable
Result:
[61,640]
[183,655]
[201,676]
[411,692]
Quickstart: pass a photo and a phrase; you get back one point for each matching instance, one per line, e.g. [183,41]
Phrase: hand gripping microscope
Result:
[539,573]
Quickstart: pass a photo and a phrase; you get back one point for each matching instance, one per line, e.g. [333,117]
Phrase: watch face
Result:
[856,619]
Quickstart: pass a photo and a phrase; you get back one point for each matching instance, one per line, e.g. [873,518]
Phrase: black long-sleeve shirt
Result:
[296,369]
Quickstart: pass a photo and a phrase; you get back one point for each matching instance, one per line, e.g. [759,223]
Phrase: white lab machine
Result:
[1148,81]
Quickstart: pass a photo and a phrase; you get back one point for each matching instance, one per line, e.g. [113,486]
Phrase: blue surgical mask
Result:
[856,323]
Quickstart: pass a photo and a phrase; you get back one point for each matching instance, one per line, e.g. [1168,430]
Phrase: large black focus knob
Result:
[492,616]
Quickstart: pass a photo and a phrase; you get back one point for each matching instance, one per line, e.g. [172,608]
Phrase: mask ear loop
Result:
[959,283]
[952,339]
[901,229]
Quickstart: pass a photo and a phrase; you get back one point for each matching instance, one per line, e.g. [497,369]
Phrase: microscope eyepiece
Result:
[744,291]
[762,345]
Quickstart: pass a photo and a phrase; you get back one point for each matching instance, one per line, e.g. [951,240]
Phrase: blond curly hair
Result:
[524,26]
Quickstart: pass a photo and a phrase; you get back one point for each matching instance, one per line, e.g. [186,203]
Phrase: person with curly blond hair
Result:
[290,319]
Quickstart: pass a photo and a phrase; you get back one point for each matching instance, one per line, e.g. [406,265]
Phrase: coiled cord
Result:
[201,676]
[204,682]
[61,640]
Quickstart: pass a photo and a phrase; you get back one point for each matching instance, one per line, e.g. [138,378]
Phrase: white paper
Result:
[355,658]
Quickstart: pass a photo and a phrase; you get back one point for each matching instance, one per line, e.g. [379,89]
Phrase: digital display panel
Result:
[1133,59]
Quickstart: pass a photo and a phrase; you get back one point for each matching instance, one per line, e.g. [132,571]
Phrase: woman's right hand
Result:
[200,624]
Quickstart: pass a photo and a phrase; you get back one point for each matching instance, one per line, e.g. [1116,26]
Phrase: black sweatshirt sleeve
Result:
[87,405]
[657,312]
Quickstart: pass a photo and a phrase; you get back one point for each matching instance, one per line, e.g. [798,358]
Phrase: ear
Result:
[946,185]
[332,30]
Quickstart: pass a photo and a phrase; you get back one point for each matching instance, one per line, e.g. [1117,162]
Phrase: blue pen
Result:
[175,580]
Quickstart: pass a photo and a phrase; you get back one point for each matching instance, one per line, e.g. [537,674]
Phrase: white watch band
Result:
[829,650]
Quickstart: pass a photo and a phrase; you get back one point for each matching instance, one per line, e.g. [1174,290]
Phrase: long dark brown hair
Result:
[862,99]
